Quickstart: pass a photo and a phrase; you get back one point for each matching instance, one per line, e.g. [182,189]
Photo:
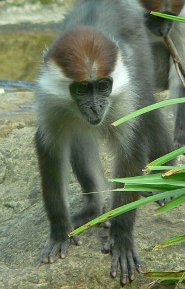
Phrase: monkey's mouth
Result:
[92,116]
[94,121]
[92,111]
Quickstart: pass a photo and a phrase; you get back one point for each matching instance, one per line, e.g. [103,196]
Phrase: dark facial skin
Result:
[92,98]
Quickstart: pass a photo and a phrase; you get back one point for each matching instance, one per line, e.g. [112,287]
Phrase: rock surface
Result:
[24,226]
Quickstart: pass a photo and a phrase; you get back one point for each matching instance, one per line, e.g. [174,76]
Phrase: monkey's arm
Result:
[52,178]
[87,167]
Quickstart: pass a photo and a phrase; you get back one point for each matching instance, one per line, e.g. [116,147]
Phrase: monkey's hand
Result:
[55,249]
[124,255]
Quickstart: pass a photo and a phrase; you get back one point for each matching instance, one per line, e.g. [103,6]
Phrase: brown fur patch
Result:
[84,53]
[152,5]
[177,6]
[174,6]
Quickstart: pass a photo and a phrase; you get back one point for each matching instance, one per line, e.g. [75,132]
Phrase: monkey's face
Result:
[84,73]
[91,98]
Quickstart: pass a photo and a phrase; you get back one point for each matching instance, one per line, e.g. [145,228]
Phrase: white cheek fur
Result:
[52,81]
[120,77]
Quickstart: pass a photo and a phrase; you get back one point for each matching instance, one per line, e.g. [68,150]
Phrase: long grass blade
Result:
[148,109]
[174,174]
[169,17]
[152,179]
[123,209]
[149,188]
[166,158]
[138,179]
[170,242]
[172,204]
[174,277]
[166,168]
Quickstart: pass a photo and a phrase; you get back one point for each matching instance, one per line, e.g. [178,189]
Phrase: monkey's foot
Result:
[123,256]
[55,249]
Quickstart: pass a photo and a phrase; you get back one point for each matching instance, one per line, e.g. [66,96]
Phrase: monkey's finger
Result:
[106,248]
[76,240]
[136,260]
[54,254]
[115,263]
[44,257]
[46,253]
[64,249]
[131,266]
[124,269]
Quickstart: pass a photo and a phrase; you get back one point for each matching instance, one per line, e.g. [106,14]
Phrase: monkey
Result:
[160,26]
[166,74]
[99,69]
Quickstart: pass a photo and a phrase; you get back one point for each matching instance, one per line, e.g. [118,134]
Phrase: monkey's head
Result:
[88,66]
[160,26]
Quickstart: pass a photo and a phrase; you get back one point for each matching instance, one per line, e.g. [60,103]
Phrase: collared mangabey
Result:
[98,70]
[166,74]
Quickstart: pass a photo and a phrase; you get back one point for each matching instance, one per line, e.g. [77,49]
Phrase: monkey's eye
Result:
[82,88]
[104,85]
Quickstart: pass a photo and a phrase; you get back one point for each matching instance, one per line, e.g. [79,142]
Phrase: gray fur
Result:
[64,135]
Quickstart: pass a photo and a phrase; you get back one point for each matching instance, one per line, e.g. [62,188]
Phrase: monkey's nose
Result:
[96,114]
[94,110]
[97,109]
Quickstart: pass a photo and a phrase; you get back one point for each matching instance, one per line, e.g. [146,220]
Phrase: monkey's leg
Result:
[88,170]
[53,196]
[163,138]
[121,243]
[179,134]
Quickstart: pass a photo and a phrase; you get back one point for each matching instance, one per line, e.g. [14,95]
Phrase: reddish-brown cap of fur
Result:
[83,52]
[174,6]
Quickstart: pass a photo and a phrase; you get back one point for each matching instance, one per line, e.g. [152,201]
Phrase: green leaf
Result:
[165,168]
[169,17]
[174,174]
[145,188]
[149,188]
[166,158]
[126,208]
[152,179]
[166,276]
[148,108]
[172,204]
[170,242]
[139,179]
